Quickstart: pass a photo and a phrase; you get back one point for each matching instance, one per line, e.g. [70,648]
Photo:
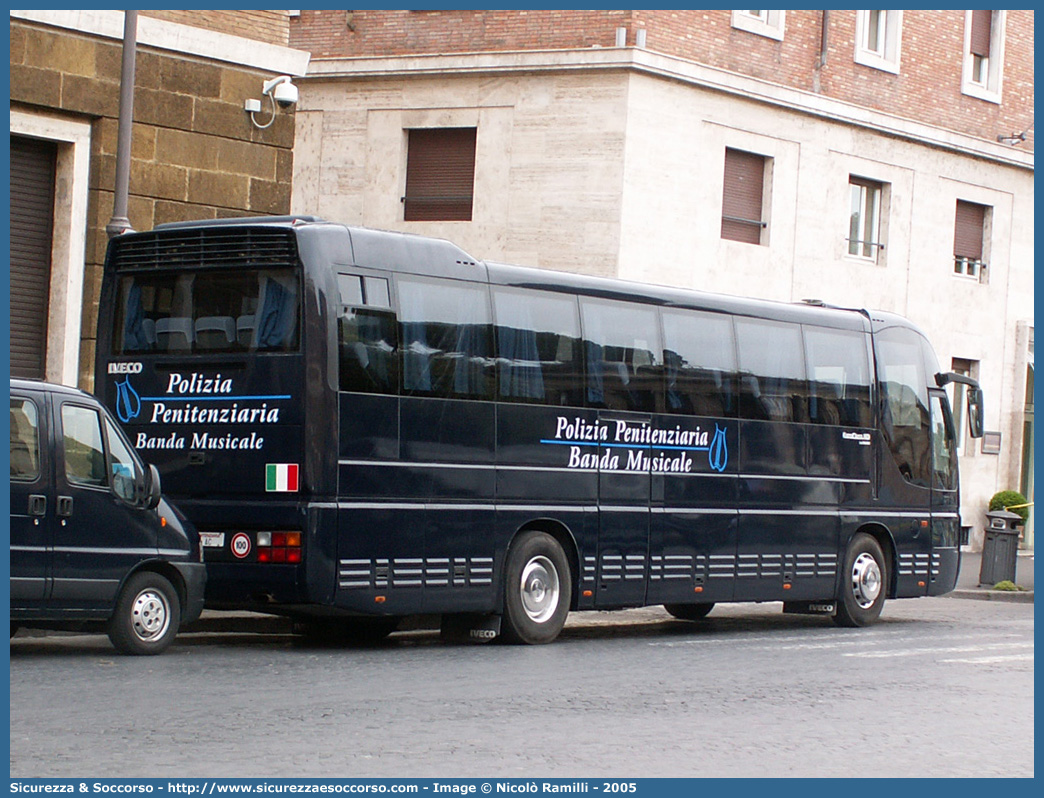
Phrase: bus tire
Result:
[689,612]
[864,583]
[147,616]
[537,590]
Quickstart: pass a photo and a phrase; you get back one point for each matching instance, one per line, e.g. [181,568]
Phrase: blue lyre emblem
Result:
[719,450]
[128,403]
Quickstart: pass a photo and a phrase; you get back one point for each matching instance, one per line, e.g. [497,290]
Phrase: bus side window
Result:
[904,403]
[538,347]
[699,363]
[624,355]
[369,336]
[447,340]
[772,383]
[838,377]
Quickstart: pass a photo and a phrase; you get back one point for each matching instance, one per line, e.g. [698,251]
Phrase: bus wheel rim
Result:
[866,580]
[149,615]
[540,589]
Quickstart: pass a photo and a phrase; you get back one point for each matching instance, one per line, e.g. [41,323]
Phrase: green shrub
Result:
[1010,498]
[1006,584]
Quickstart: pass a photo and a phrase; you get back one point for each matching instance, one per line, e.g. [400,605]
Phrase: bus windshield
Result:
[246,310]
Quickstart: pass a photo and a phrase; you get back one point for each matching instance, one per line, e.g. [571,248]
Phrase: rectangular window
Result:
[446,339]
[864,229]
[771,371]
[699,355]
[839,377]
[762,23]
[623,353]
[879,39]
[369,336]
[741,205]
[25,440]
[538,347]
[959,399]
[207,312]
[82,445]
[440,175]
[968,237]
[983,54]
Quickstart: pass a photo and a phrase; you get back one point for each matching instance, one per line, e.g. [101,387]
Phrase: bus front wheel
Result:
[689,612]
[537,589]
[863,583]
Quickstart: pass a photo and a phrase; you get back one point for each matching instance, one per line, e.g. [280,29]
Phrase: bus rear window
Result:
[247,310]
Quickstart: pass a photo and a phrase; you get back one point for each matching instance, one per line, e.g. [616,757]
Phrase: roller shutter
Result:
[32,219]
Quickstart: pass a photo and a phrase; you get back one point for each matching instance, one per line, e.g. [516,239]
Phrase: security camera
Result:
[285,94]
[281,90]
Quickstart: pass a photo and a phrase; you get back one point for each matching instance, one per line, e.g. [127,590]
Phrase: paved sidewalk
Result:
[968,579]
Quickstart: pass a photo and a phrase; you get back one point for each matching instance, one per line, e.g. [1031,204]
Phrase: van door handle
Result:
[37,505]
[65,506]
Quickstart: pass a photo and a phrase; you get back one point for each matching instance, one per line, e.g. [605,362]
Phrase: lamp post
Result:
[119,223]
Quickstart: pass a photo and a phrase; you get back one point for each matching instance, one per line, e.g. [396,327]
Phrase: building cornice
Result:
[182,39]
[659,65]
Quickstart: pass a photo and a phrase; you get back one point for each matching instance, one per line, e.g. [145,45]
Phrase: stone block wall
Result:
[195,153]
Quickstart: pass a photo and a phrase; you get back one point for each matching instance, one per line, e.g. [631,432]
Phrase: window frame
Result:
[991,88]
[888,57]
[424,151]
[770,24]
[876,242]
[967,265]
[733,196]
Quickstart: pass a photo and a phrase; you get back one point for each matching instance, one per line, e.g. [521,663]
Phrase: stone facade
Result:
[608,159]
[195,153]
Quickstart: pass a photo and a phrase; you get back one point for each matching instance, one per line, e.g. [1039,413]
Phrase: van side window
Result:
[82,444]
[121,463]
[25,440]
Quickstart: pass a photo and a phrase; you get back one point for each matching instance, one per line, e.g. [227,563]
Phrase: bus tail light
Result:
[279,547]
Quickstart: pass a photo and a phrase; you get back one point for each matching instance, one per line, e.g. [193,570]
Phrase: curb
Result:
[986,594]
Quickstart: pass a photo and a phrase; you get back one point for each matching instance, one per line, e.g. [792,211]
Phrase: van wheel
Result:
[864,583]
[689,612]
[537,589]
[147,615]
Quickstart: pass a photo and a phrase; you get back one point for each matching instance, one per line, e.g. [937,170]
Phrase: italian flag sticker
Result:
[281,477]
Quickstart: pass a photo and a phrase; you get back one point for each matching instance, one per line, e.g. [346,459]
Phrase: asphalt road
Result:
[939,687]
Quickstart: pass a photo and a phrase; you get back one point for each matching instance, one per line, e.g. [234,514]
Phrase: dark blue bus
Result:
[368,425]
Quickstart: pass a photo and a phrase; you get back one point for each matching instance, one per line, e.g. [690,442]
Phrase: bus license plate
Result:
[212,540]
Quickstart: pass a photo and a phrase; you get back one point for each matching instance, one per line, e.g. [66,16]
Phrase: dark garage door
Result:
[32,215]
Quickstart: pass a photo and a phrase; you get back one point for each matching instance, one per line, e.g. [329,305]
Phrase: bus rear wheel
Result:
[689,612]
[864,583]
[537,590]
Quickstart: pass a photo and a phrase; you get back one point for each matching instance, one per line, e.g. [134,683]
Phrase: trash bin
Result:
[1000,550]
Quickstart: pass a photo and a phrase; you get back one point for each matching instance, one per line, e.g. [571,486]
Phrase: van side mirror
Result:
[153,492]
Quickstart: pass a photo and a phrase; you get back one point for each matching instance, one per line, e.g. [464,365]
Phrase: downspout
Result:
[119,223]
[824,41]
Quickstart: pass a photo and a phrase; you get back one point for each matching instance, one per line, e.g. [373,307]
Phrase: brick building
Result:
[866,158]
[195,153]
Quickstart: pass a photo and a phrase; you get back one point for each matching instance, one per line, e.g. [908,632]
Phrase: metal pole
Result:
[119,223]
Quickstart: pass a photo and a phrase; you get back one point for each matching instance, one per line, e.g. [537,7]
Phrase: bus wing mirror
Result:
[975,412]
[974,399]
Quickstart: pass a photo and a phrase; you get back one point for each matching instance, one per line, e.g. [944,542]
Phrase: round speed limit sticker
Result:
[240,544]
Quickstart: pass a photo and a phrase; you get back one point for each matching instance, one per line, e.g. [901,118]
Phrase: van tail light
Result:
[279,547]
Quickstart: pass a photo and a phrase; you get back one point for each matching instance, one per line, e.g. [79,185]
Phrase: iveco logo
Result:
[125,368]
